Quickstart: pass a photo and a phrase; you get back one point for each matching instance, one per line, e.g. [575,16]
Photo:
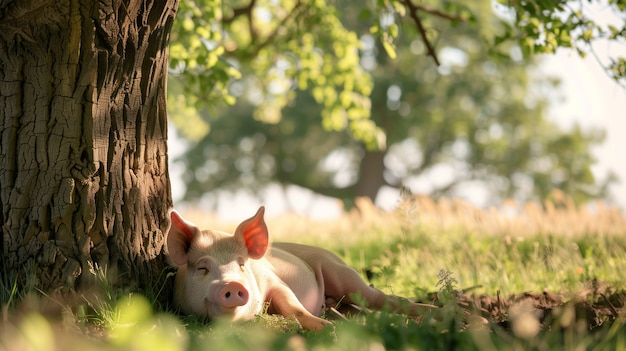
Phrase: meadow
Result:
[517,277]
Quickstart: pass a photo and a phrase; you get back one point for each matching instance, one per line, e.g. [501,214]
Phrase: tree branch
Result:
[438,13]
[413,12]
[246,10]
[243,11]
[290,178]
[270,37]
[259,43]
[413,9]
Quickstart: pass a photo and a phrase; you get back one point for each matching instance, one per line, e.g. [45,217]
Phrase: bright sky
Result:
[593,100]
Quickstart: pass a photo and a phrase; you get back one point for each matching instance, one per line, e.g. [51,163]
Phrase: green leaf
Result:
[390,49]
[393,30]
[188,24]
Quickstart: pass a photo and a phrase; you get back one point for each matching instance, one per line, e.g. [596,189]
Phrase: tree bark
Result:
[371,174]
[83,127]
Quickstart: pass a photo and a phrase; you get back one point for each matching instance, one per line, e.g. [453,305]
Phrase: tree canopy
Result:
[344,98]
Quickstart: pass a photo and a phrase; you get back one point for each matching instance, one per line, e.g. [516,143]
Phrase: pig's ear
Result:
[253,232]
[179,237]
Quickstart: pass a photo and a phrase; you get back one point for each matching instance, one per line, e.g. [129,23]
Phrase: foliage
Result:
[285,46]
[420,238]
[475,117]
[293,45]
[378,332]
[546,26]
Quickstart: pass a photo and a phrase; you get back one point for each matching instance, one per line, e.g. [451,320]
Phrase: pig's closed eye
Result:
[203,267]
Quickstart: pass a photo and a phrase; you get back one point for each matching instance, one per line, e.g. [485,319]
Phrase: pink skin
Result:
[223,275]
[233,295]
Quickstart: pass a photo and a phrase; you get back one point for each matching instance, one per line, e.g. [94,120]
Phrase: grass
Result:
[425,247]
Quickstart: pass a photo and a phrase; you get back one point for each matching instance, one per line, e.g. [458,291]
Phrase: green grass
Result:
[137,327]
[424,247]
[535,263]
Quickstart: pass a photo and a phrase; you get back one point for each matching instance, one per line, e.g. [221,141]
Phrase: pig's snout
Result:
[232,295]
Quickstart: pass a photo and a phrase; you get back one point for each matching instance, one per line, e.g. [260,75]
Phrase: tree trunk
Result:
[83,127]
[371,174]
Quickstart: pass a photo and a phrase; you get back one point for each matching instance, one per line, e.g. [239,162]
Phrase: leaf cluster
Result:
[544,26]
[197,53]
[285,46]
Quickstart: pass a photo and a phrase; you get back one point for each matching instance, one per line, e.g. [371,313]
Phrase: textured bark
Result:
[83,154]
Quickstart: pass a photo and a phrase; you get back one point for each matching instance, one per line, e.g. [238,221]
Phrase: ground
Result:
[595,306]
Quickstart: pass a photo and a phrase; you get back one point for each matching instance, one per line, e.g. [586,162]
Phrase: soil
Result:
[594,306]
[591,308]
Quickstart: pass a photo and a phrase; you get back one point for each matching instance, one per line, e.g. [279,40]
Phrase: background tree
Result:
[83,155]
[472,119]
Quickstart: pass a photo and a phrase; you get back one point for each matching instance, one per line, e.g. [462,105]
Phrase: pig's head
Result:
[215,270]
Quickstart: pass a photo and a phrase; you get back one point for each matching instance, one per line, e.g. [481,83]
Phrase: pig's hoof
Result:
[315,323]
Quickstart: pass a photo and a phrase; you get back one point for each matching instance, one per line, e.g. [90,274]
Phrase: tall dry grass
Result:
[559,216]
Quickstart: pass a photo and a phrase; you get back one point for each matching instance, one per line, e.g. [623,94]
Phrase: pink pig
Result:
[236,275]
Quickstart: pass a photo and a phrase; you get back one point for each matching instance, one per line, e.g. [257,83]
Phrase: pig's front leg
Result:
[285,302]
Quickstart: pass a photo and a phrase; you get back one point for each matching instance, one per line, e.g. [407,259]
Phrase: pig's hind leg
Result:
[341,282]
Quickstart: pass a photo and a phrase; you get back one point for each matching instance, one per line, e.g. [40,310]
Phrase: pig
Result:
[236,276]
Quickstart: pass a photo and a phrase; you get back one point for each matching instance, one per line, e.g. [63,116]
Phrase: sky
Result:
[593,99]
